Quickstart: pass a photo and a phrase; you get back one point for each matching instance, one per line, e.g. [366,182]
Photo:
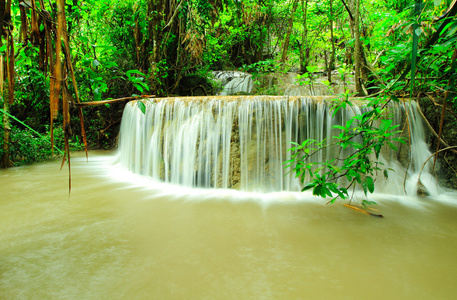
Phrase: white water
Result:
[242,142]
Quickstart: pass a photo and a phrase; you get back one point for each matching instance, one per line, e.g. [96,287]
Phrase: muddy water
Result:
[115,238]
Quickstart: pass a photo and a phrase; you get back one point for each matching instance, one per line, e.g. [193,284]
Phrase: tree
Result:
[289,31]
[52,58]
[331,65]
[304,48]
[6,31]
[357,47]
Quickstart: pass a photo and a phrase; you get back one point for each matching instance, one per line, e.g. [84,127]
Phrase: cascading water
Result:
[419,154]
[241,142]
[242,83]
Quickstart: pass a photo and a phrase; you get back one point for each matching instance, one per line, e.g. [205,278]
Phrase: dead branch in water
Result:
[363,211]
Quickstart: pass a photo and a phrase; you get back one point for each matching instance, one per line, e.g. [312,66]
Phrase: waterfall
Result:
[238,84]
[241,142]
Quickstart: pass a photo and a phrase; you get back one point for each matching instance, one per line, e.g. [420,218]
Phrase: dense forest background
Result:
[71,52]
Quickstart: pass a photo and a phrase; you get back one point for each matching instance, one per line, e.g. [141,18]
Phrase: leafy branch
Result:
[334,176]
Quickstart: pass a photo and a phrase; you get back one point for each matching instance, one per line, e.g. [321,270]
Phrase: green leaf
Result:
[344,191]
[110,64]
[334,188]
[141,106]
[134,72]
[395,98]
[370,184]
[139,87]
[365,188]
[339,127]
[326,191]
[367,202]
[308,186]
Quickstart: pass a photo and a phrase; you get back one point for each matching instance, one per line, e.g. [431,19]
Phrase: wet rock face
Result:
[446,165]
[235,160]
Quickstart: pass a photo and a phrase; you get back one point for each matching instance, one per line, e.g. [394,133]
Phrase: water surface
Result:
[120,236]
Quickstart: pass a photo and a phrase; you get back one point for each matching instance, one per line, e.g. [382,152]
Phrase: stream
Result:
[123,236]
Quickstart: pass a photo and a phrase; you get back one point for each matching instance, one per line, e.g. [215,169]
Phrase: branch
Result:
[348,10]
[433,130]
[92,103]
[174,15]
[444,149]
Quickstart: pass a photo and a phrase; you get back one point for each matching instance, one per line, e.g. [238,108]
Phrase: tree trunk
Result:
[6,136]
[289,31]
[304,51]
[164,38]
[357,54]
[331,64]
[268,25]
[5,12]
[349,49]
[156,11]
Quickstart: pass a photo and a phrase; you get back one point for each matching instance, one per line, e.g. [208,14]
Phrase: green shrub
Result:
[27,148]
